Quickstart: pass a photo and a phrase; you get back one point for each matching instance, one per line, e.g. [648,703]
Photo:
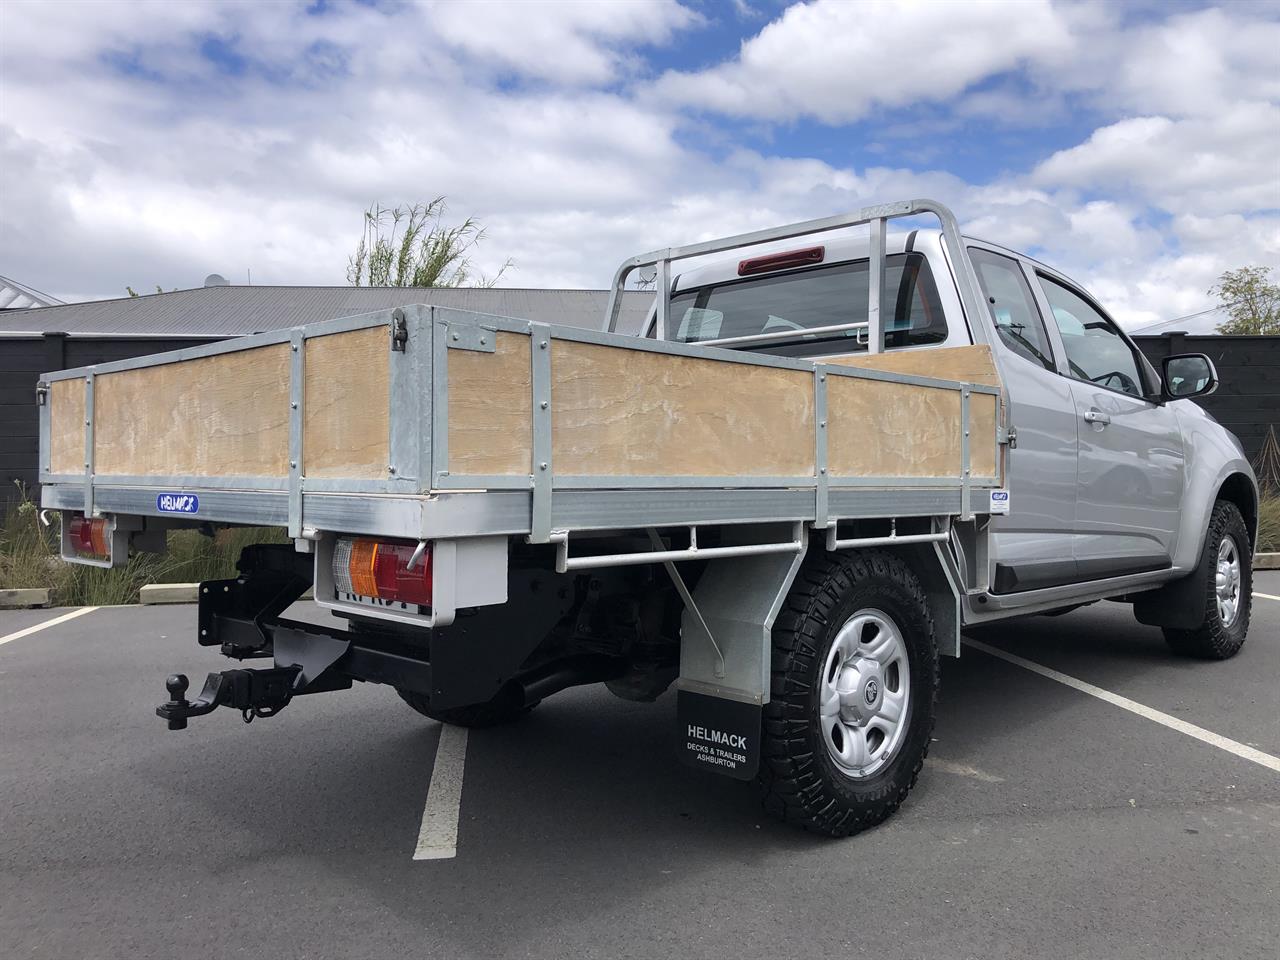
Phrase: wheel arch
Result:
[1239,488]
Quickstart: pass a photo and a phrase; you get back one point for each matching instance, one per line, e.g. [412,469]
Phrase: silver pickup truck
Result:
[787,495]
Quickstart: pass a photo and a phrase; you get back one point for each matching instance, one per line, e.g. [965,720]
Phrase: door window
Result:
[1096,351]
[1013,308]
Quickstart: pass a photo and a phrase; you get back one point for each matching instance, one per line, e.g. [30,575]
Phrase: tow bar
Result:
[255,693]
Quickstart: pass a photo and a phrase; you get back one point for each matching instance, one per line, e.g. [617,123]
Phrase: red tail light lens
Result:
[90,537]
[383,570]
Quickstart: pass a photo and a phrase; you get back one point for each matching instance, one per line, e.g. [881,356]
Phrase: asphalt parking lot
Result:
[1047,822]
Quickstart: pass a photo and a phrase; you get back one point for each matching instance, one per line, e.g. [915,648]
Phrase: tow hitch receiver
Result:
[255,693]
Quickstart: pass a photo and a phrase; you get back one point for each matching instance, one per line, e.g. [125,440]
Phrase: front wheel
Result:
[854,694]
[1228,592]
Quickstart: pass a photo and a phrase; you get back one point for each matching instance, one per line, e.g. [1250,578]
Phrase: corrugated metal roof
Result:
[228,311]
[18,296]
[1199,324]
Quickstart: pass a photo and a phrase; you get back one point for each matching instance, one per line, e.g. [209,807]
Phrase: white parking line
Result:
[438,835]
[1142,710]
[47,623]
[1265,596]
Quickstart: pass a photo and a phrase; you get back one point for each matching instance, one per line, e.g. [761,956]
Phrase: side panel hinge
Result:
[1008,435]
[399,331]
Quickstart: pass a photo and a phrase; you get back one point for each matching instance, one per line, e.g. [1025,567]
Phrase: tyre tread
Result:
[1211,640]
[791,779]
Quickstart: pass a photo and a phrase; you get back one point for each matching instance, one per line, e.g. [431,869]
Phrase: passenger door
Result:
[1130,461]
[1032,546]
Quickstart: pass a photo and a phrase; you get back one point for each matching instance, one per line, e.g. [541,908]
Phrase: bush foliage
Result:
[29,558]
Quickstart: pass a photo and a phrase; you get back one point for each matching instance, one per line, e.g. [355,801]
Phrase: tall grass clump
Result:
[1269,521]
[29,557]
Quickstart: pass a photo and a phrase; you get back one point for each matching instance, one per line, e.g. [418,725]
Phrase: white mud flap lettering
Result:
[718,735]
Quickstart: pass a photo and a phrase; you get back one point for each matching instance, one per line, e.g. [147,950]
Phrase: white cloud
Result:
[561,42]
[1220,164]
[836,61]
[127,180]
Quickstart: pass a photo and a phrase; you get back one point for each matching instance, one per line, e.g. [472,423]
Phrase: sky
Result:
[1135,146]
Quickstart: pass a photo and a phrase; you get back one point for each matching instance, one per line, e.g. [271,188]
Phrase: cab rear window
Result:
[802,300]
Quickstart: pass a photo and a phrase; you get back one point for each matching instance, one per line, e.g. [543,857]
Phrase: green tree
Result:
[1251,300]
[413,247]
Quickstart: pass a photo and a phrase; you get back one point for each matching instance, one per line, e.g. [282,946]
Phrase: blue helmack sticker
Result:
[177,503]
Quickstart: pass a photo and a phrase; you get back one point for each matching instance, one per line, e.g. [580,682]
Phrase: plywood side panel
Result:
[883,429]
[225,415]
[490,409]
[982,435]
[346,405]
[971,364]
[66,426]
[622,412]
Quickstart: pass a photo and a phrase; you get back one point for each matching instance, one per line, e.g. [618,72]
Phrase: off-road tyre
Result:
[1214,640]
[800,782]
[502,709]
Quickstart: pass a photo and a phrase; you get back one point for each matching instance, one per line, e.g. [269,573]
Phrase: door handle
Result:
[1096,416]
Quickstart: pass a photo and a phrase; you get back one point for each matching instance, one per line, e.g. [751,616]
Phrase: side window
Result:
[1013,308]
[1096,352]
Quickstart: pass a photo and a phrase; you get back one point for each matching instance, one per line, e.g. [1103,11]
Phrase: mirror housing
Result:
[1187,375]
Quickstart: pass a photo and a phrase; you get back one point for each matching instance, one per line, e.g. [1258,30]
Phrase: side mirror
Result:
[1188,375]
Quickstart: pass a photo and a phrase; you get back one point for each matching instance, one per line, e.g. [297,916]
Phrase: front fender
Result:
[1214,459]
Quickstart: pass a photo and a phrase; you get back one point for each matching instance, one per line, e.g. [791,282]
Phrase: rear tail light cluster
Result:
[383,570]
[90,537]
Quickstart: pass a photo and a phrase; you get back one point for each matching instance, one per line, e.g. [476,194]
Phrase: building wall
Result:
[22,360]
[1247,401]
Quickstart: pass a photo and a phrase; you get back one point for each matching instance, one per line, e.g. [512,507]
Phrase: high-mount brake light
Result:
[89,536]
[383,570]
[781,261]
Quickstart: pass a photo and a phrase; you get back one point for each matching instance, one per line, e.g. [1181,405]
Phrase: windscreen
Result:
[802,300]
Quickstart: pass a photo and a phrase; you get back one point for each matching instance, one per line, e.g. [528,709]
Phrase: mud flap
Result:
[719,735]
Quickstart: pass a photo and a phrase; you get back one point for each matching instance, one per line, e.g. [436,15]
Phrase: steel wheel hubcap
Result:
[864,694]
[1227,581]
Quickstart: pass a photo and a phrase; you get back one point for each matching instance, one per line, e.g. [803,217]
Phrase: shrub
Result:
[29,557]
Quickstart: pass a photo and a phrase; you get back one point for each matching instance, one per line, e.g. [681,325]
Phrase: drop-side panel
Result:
[971,364]
[490,424]
[66,426]
[881,429]
[217,416]
[346,399]
[623,412]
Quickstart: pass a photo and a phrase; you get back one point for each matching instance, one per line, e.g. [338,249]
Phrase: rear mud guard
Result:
[725,658]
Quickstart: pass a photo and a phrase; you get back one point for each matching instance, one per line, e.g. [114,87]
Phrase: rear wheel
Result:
[503,708]
[1228,591]
[854,694]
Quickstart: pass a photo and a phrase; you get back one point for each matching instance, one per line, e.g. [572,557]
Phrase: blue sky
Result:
[1134,145]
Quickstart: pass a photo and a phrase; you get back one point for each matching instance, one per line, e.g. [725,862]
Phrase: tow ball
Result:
[255,693]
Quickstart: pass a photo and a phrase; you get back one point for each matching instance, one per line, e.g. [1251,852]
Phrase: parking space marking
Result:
[438,835]
[48,623]
[1142,710]
[1265,596]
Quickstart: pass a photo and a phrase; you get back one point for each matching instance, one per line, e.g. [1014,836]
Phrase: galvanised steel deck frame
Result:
[420,497]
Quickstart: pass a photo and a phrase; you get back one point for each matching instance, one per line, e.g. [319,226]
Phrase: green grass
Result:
[29,558]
